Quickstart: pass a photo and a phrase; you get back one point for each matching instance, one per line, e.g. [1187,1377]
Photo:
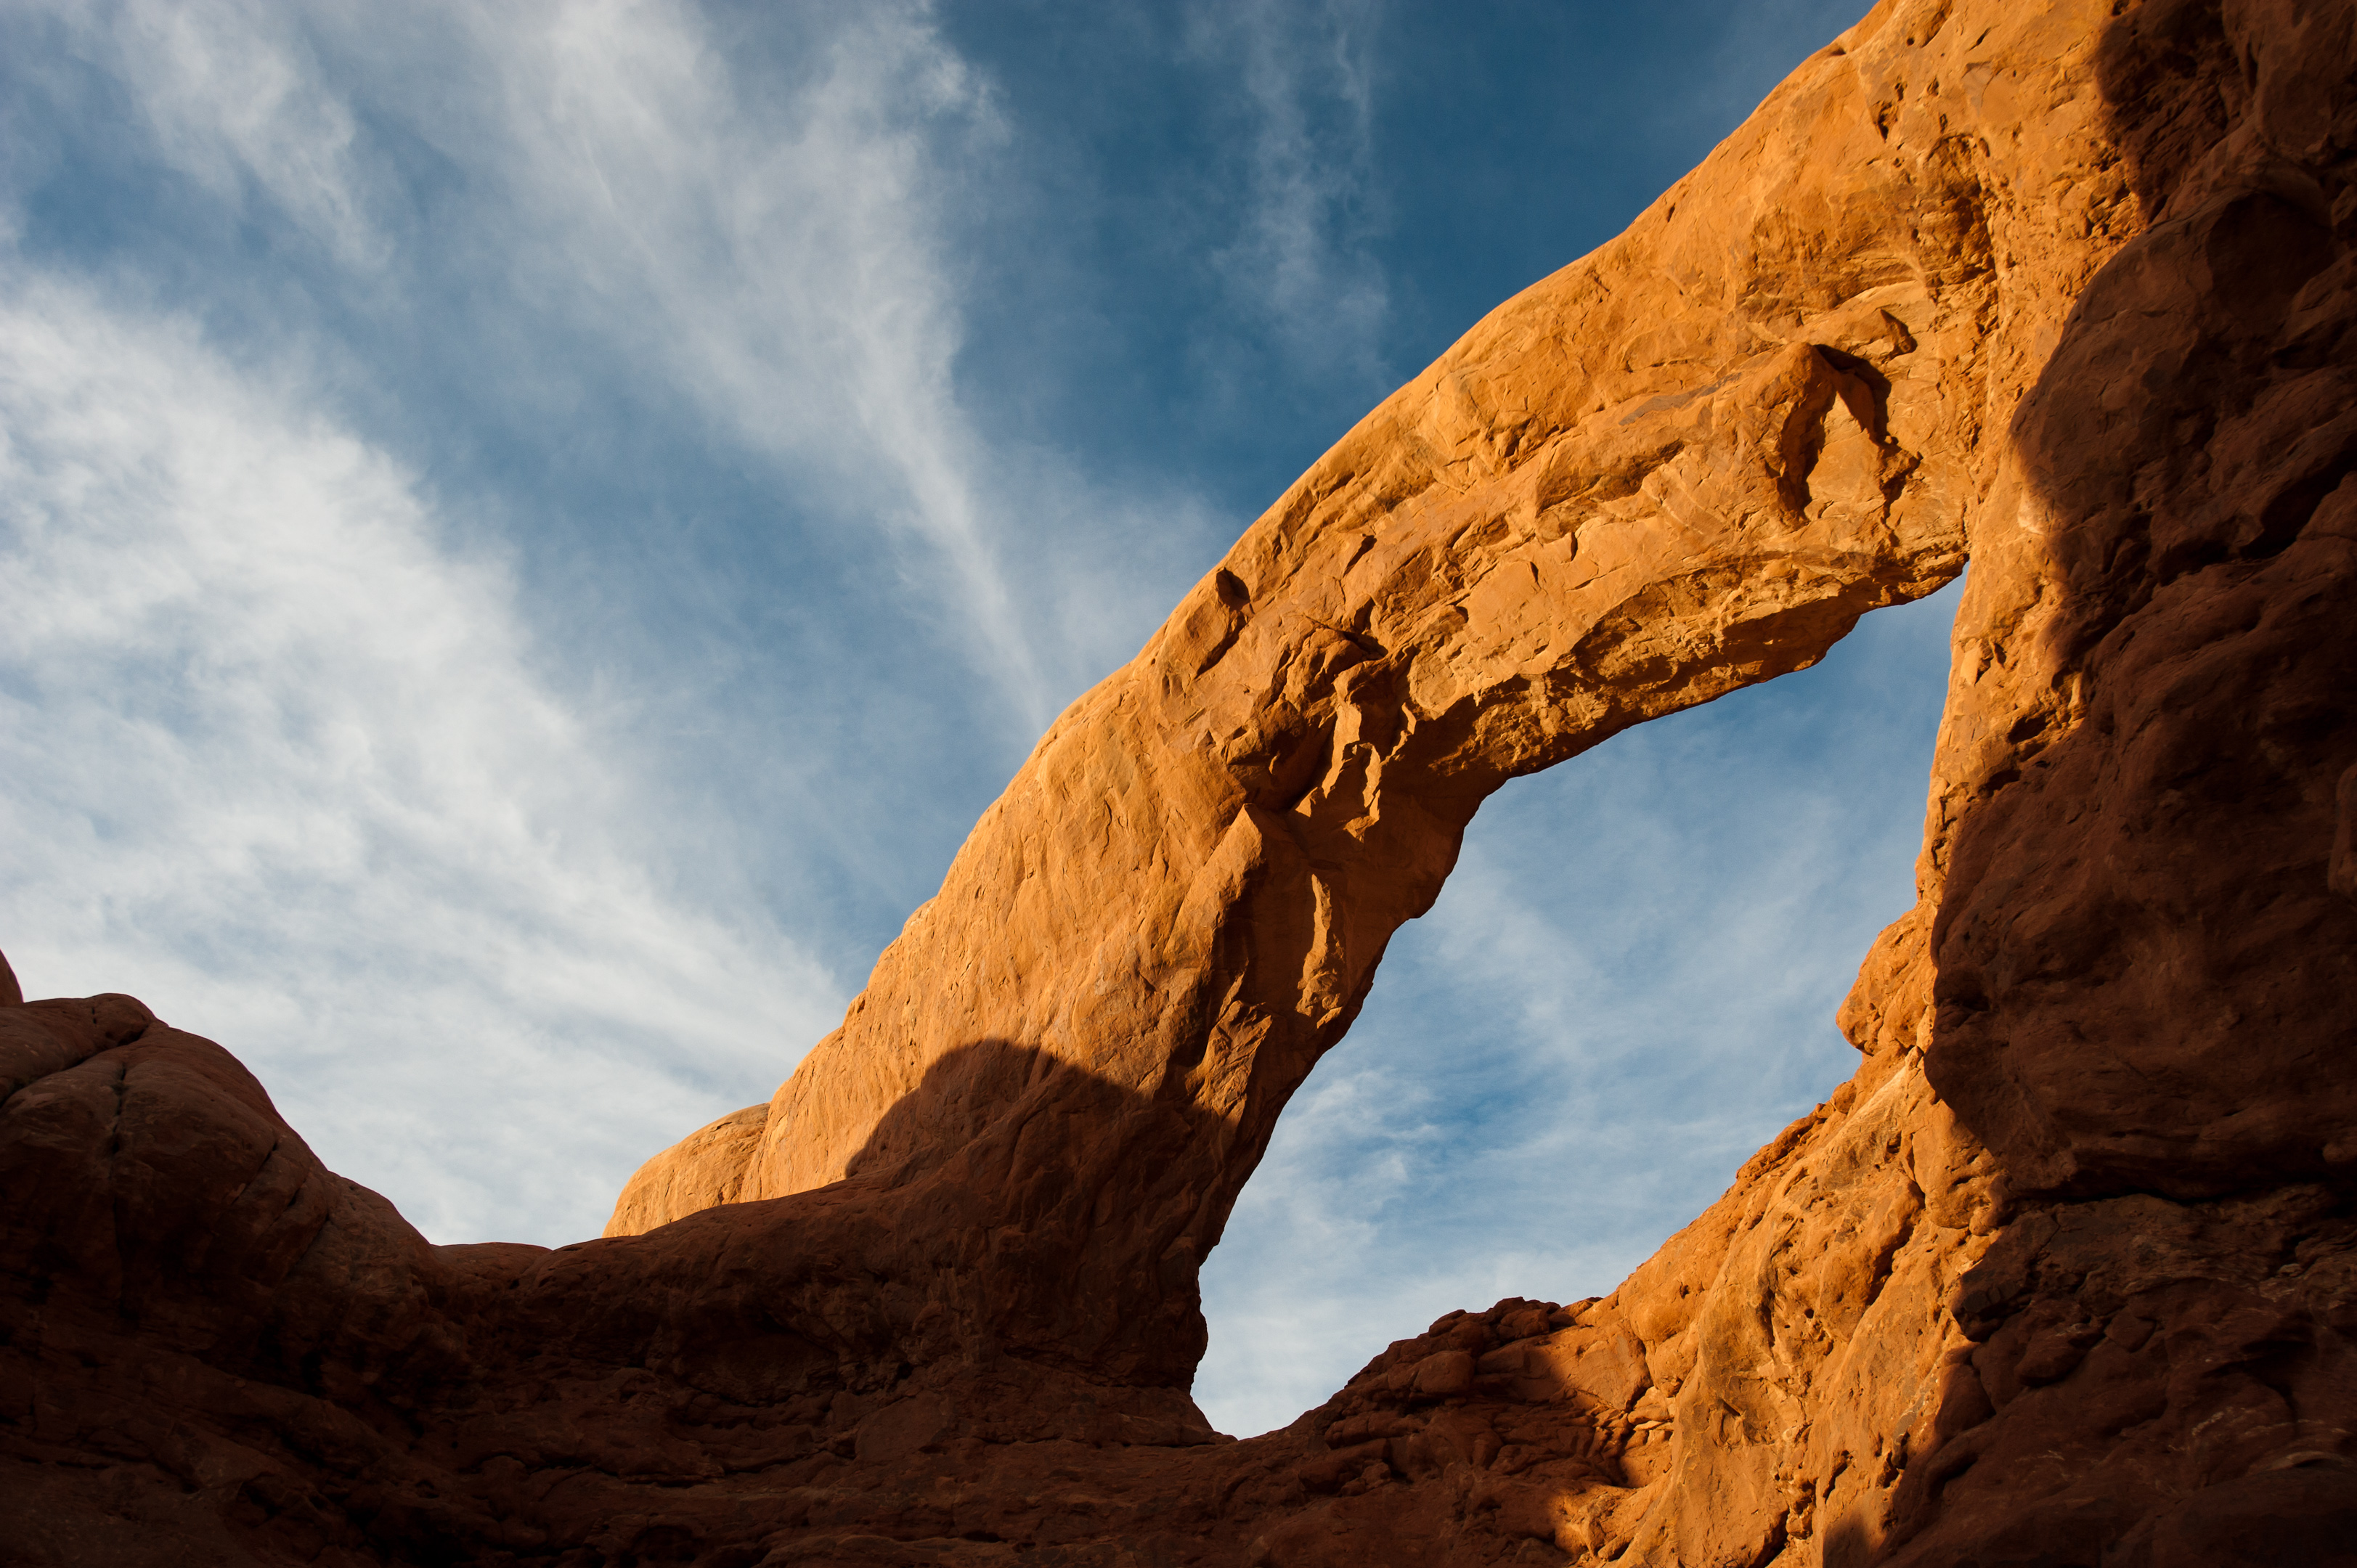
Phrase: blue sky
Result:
[528,534]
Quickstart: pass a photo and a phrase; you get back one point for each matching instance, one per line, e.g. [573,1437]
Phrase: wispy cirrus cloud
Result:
[779,258]
[233,95]
[1298,260]
[306,762]
[280,757]
[766,237]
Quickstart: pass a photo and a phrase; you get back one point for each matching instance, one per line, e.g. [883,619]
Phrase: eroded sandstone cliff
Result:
[2067,1273]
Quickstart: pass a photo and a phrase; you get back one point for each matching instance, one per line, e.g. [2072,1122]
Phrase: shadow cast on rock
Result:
[2142,961]
[1011,1206]
[208,1331]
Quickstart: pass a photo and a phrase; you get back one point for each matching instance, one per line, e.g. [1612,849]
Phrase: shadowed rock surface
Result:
[2066,1274]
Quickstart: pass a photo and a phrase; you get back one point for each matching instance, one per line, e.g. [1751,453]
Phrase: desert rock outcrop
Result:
[2066,1273]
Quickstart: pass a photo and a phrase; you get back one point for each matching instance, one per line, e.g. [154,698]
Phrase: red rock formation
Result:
[2067,1275]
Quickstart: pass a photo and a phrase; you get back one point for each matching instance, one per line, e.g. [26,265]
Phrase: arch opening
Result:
[1626,989]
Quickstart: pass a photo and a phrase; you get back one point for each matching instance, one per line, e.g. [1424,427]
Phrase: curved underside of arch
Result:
[2069,1266]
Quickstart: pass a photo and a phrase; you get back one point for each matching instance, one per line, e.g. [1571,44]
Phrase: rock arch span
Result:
[2069,1267]
[1683,465]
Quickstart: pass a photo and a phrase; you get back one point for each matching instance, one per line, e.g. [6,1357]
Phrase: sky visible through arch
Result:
[528,534]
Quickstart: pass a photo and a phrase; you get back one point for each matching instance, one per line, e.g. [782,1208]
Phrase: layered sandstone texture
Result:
[2067,1275]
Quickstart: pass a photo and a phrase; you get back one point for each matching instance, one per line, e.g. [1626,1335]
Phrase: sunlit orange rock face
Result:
[2066,1274]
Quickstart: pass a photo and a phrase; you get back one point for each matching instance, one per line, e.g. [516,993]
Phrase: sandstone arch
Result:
[1683,464]
[2069,1267]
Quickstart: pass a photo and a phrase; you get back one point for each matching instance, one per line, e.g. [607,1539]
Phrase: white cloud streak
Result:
[231,95]
[280,762]
[286,760]
[1307,75]
[781,262]
[778,253]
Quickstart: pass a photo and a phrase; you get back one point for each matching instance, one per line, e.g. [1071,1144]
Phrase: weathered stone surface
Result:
[2066,1274]
[705,1168]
